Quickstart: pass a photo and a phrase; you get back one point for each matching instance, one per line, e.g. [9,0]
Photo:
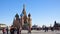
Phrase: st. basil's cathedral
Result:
[23,21]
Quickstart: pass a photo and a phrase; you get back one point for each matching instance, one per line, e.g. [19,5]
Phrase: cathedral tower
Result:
[24,14]
[16,21]
[24,10]
[29,21]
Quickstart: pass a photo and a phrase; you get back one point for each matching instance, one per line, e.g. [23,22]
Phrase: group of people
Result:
[12,31]
[5,30]
[46,29]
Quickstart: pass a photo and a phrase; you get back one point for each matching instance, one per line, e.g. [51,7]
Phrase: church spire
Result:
[24,11]
[23,6]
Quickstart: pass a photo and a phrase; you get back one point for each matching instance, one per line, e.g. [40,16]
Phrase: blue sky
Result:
[43,12]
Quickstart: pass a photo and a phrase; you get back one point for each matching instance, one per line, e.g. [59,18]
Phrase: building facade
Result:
[56,26]
[2,26]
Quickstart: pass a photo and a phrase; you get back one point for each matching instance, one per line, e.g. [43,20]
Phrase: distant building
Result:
[22,21]
[56,25]
[2,26]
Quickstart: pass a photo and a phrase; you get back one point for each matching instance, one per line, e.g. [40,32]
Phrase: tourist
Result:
[46,29]
[17,30]
[7,30]
[52,29]
[4,31]
[12,30]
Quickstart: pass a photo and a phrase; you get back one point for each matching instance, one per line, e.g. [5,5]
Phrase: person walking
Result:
[12,31]
[4,30]
[7,30]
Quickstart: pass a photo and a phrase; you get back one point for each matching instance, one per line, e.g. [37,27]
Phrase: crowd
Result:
[12,31]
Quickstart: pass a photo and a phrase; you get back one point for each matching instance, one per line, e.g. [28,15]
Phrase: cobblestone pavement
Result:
[37,32]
